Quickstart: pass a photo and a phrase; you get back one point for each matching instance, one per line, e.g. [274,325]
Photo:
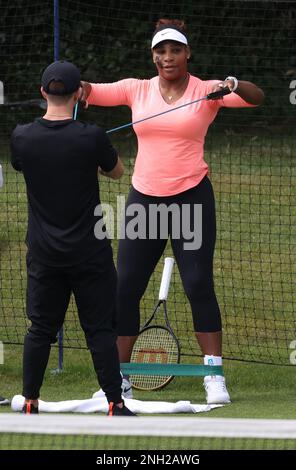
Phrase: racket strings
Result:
[155,345]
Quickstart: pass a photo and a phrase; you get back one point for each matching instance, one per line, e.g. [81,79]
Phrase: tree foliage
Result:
[253,40]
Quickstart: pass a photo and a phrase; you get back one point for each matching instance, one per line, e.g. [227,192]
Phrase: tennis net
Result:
[64,432]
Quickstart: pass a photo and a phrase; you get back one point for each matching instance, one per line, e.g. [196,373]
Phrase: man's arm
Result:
[117,171]
[14,152]
[109,163]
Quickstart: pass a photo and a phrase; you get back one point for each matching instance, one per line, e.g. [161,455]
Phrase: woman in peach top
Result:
[170,170]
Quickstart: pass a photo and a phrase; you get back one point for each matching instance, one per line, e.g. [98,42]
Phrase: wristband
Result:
[235,81]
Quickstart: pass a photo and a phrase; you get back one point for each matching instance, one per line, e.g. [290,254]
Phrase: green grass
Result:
[117,443]
[257,391]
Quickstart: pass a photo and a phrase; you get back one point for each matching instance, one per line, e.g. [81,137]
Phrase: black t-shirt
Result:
[59,161]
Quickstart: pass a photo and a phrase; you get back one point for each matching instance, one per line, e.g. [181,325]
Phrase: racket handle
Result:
[166,278]
[217,94]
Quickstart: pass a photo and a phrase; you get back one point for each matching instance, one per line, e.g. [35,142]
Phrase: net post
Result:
[56,19]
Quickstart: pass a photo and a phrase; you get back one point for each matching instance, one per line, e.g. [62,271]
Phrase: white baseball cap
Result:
[168,34]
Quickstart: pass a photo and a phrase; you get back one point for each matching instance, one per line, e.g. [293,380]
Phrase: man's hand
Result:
[116,173]
[101,172]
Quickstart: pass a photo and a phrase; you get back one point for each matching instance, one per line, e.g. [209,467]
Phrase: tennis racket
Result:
[157,344]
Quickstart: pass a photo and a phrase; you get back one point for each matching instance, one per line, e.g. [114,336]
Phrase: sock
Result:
[213,361]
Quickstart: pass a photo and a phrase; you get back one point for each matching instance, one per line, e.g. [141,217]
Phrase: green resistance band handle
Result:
[141,368]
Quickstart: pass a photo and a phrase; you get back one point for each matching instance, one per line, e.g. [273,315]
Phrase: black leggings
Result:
[137,259]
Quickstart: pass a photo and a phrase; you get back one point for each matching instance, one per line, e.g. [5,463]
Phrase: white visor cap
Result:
[168,34]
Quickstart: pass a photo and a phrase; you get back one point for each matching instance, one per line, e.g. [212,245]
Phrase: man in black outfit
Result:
[60,158]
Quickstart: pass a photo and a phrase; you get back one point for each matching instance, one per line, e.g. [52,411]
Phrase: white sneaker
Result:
[4,401]
[216,391]
[126,387]
[127,390]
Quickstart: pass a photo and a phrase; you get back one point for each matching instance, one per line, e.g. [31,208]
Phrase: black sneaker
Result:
[30,409]
[4,401]
[114,410]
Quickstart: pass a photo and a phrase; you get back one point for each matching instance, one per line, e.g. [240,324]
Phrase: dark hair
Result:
[57,86]
[163,23]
